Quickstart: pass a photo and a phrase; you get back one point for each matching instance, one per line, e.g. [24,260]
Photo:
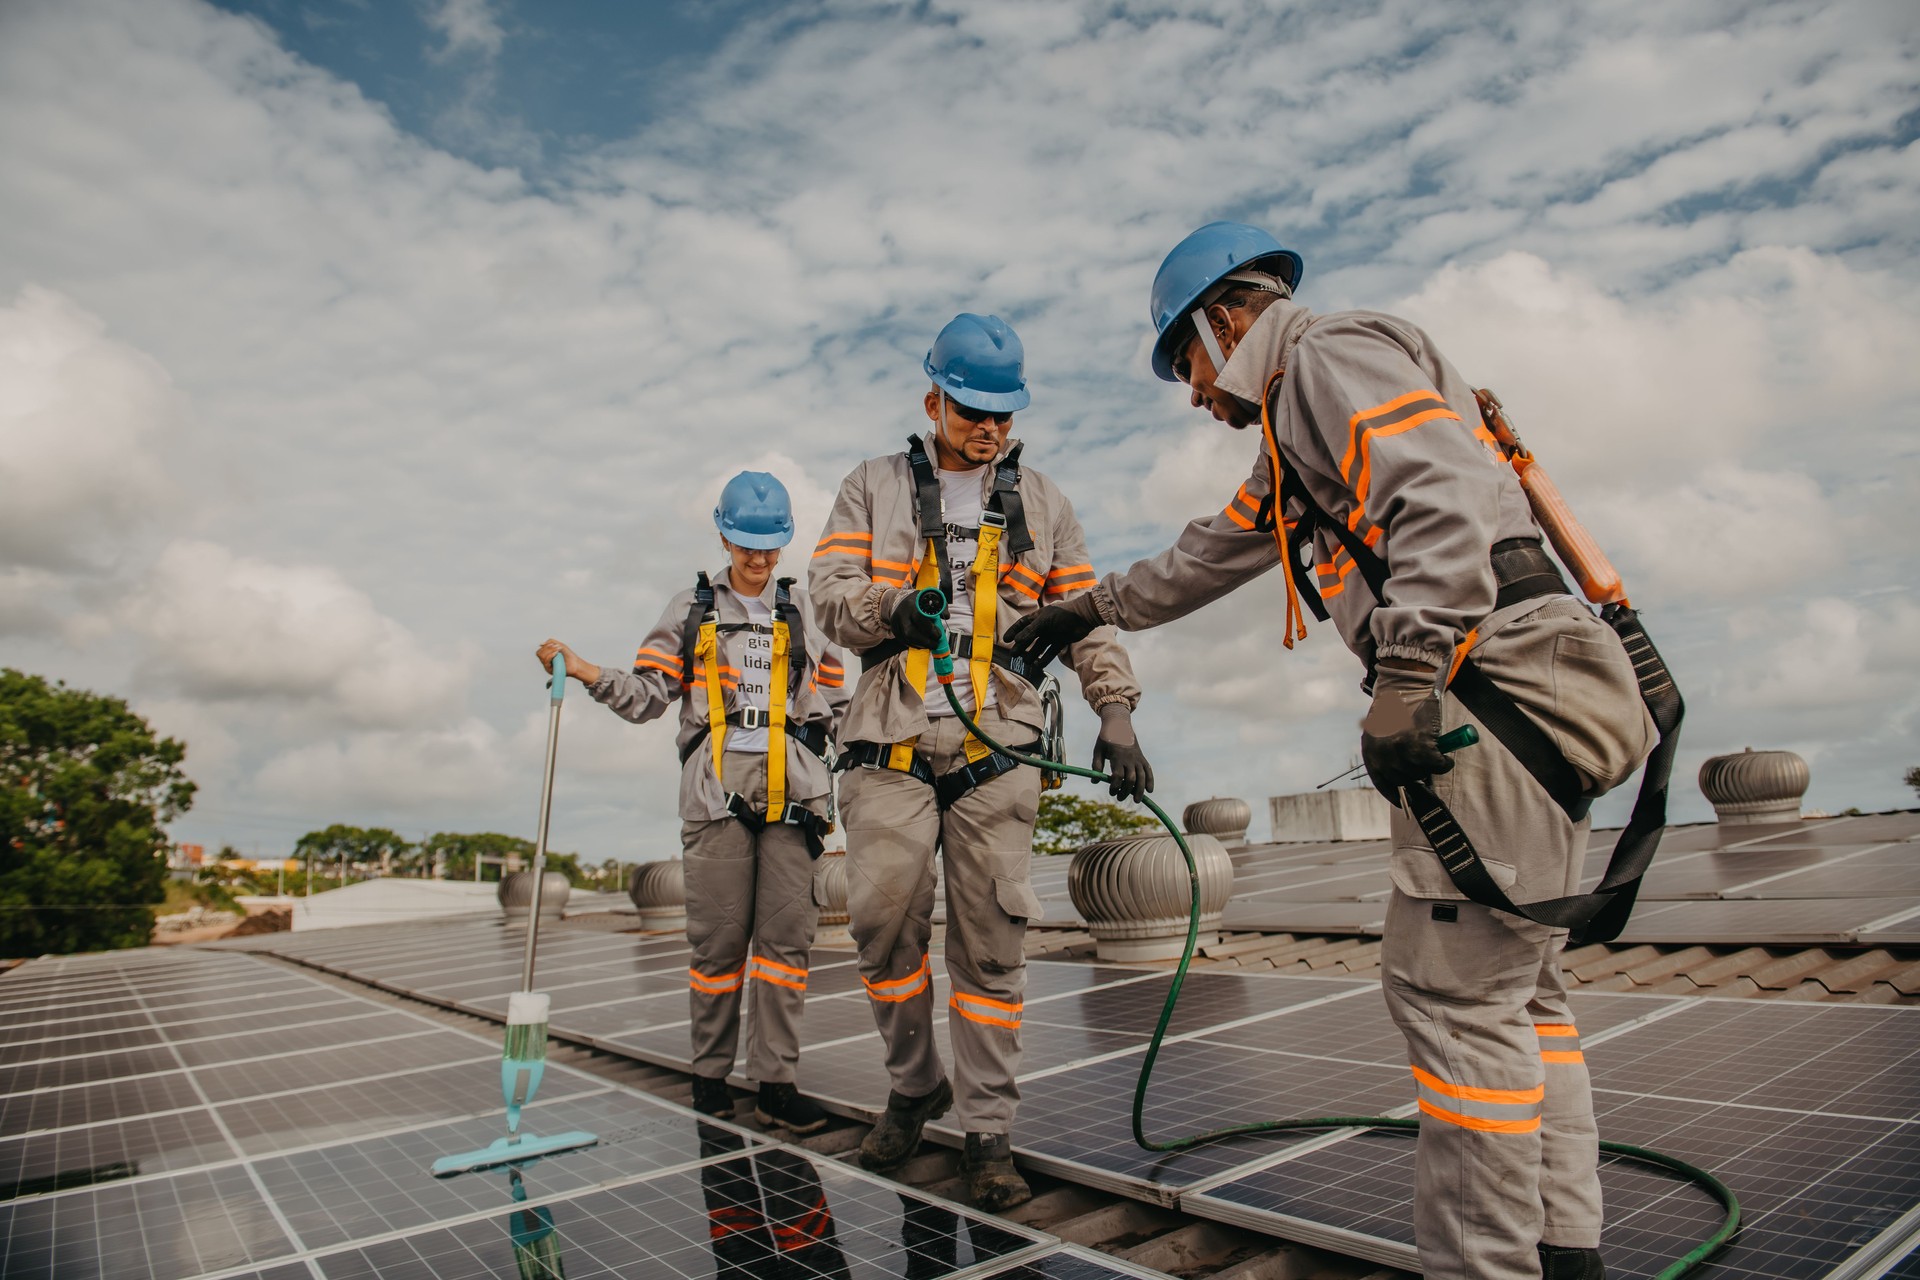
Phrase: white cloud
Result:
[386,776]
[80,418]
[220,627]
[468,27]
[499,403]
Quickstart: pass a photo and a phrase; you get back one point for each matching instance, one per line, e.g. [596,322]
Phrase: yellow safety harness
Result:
[706,649]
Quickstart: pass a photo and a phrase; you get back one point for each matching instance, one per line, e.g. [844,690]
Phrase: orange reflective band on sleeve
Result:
[847,543]
[1024,580]
[663,662]
[984,1009]
[1424,395]
[1557,1029]
[1242,510]
[780,975]
[1077,577]
[716,984]
[893,990]
[1480,1123]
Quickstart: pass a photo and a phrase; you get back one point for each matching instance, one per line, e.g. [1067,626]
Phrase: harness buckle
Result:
[992,520]
[753,718]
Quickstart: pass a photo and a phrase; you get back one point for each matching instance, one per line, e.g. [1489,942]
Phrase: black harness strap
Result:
[1006,499]
[1522,570]
[948,788]
[814,827]
[928,510]
[697,613]
[788,612]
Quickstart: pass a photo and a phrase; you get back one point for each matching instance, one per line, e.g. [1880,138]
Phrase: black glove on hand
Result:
[1041,635]
[915,629]
[1400,736]
[1118,753]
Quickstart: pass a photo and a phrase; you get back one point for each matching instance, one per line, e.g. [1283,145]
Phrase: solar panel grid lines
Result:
[1072,1262]
[657,1223]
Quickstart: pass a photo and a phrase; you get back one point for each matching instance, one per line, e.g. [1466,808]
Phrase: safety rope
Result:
[943,667]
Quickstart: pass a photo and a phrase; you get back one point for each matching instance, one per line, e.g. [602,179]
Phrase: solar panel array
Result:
[1811,1112]
[1852,880]
[209,1114]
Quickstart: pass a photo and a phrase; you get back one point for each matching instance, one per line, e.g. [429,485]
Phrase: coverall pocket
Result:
[1599,722]
[998,928]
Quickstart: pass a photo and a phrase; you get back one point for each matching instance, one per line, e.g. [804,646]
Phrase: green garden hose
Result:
[932,604]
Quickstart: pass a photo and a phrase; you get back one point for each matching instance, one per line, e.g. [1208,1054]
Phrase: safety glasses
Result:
[977,416]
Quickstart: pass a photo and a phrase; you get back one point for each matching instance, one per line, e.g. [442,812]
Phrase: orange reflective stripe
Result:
[1367,438]
[1353,424]
[714,984]
[844,535]
[796,979]
[645,652]
[959,1001]
[1460,652]
[1472,1093]
[896,989]
[1555,1029]
[1233,514]
[1475,1122]
[1031,593]
[673,671]
[1562,1055]
[1069,571]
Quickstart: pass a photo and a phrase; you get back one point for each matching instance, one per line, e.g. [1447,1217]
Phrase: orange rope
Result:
[1296,624]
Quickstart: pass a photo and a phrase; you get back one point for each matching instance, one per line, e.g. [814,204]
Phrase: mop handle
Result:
[558,691]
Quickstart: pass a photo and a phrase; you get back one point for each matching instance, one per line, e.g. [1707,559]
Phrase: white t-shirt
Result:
[961,503]
[752,652]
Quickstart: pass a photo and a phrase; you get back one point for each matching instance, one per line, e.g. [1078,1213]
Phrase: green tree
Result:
[355,846]
[1913,778]
[85,788]
[459,849]
[1067,822]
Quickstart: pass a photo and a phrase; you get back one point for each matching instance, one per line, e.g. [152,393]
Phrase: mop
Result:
[524,1059]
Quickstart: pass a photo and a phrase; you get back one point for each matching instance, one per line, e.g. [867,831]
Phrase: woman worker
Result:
[760,691]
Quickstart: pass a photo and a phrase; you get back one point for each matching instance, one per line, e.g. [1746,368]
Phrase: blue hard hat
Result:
[1198,263]
[754,512]
[978,360]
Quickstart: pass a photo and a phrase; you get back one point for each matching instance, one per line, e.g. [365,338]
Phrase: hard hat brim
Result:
[1163,342]
[756,541]
[988,401]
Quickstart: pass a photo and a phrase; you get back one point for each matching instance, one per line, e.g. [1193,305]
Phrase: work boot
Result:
[711,1097]
[992,1180]
[1558,1263]
[786,1106]
[896,1134]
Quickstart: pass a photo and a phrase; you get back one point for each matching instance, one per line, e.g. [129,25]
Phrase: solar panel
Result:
[1074,1263]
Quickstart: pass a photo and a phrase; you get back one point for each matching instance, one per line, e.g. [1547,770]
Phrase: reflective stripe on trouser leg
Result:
[1569,1138]
[784,917]
[986,843]
[892,823]
[1460,992]
[719,866]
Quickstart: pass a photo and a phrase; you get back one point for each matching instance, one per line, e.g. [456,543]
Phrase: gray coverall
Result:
[866,560]
[750,907]
[1385,434]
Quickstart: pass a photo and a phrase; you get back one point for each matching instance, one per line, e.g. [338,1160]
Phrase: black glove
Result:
[915,629]
[1400,736]
[1040,636]
[1118,753]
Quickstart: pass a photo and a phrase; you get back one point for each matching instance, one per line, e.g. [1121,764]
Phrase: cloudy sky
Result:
[348,350]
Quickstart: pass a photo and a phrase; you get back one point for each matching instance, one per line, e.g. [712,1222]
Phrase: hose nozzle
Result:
[932,605]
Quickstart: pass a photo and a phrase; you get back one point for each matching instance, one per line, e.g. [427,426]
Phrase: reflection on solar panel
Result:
[197,1113]
[199,1149]
[1812,1112]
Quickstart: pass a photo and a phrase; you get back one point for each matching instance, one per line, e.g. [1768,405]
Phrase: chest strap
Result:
[811,736]
[963,647]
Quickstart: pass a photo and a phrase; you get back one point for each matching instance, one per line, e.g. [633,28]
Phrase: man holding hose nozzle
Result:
[1424,551]
[955,511]
[759,689]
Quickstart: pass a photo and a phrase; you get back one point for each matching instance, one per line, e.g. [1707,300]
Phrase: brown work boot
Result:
[1557,1263]
[896,1134]
[987,1164]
